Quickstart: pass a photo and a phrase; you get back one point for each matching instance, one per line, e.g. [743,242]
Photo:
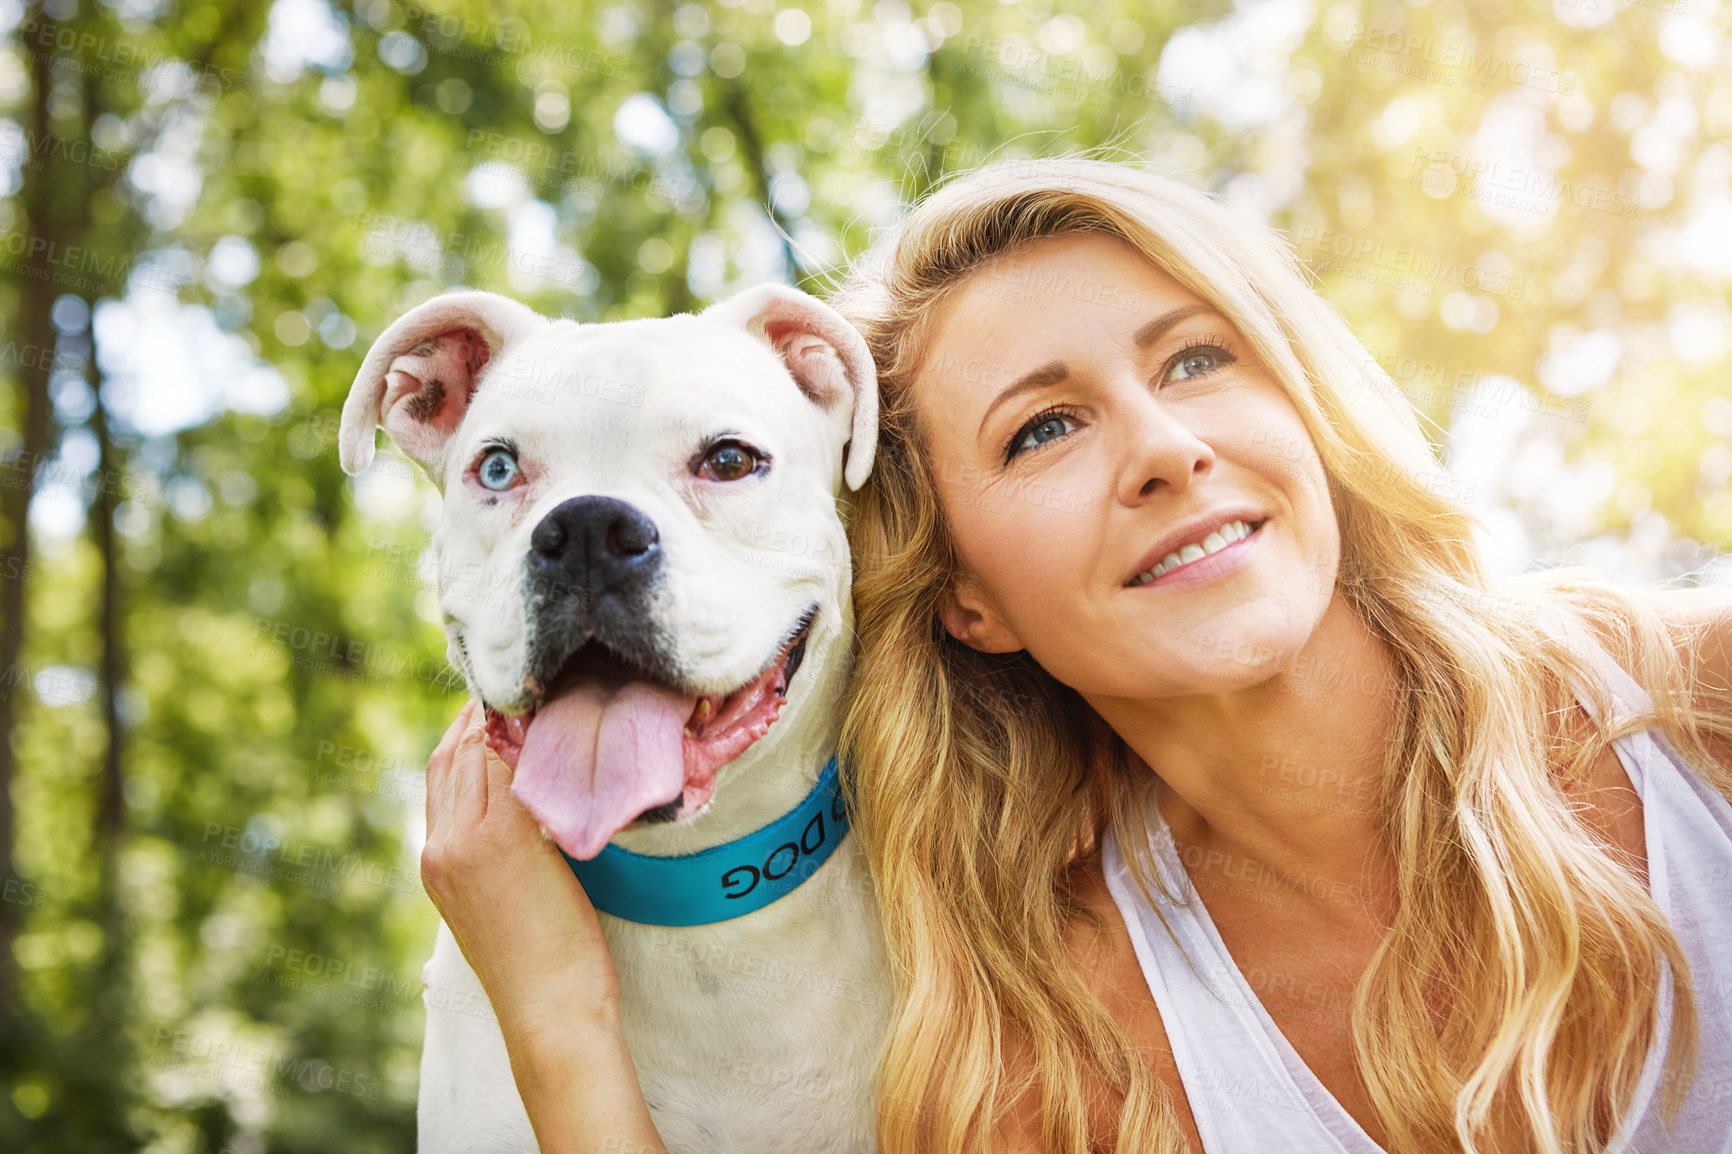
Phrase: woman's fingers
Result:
[439,763]
[439,771]
[499,778]
[469,774]
[441,800]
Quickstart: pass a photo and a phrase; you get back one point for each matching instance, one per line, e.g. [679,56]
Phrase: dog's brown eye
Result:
[728,462]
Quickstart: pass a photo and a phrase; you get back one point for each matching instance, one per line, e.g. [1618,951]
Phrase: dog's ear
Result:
[421,374]
[825,354]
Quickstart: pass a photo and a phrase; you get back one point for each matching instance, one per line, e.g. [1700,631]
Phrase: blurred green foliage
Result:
[1506,199]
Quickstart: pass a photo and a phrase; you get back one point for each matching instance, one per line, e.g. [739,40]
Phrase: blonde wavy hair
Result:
[980,782]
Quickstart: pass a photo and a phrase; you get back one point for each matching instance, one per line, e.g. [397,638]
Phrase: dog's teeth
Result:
[699,716]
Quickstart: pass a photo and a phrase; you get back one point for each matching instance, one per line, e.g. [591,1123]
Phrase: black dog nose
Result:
[600,543]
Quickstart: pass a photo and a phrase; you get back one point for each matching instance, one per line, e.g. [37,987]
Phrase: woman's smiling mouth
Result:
[1220,541]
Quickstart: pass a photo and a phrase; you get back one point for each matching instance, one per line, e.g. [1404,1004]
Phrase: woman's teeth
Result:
[1215,542]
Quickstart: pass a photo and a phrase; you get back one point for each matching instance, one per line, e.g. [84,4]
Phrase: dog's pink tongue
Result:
[597,755]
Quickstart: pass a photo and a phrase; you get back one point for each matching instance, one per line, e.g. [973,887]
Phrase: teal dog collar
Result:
[724,881]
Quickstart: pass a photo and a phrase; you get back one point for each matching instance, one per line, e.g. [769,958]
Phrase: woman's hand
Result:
[509,899]
[534,940]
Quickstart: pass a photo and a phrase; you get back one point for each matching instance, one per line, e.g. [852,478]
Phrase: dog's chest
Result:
[761,1033]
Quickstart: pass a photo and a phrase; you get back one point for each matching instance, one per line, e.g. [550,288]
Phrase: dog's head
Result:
[639,536]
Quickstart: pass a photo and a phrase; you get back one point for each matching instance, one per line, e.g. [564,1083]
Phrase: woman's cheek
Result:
[1029,541]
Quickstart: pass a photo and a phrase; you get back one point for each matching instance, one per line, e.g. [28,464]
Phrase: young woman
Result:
[1253,815]
[1216,797]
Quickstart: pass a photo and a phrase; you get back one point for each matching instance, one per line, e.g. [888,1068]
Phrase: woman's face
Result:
[1103,442]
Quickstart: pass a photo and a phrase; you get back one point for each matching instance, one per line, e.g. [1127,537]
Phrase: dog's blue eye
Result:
[498,469]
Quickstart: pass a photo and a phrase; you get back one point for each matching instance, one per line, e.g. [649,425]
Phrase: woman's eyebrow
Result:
[1157,328]
[1050,373]
[1053,372]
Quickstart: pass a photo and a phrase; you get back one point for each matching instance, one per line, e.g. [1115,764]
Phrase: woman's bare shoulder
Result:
[1699,622]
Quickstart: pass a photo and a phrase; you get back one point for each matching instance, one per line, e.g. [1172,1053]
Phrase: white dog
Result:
[644,578]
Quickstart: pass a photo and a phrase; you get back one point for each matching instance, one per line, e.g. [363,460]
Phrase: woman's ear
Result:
[969,616]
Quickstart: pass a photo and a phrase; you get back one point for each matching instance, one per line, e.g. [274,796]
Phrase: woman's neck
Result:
[1285,773]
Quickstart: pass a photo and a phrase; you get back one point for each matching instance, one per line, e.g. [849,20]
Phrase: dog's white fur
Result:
[755,1034]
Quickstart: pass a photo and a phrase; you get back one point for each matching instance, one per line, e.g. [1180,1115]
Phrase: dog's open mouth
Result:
[606,746]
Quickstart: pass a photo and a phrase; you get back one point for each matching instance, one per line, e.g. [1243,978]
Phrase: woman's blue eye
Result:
[1047,430]
[1040,431]
[498,469]
[1197,362]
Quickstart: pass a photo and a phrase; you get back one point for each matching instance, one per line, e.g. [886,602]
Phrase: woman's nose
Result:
[1160,450]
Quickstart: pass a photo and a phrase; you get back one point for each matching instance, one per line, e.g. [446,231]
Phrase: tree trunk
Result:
[111,670]
[35,336]
[752,149]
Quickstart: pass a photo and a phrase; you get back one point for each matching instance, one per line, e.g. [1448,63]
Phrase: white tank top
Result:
[1251,1094]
